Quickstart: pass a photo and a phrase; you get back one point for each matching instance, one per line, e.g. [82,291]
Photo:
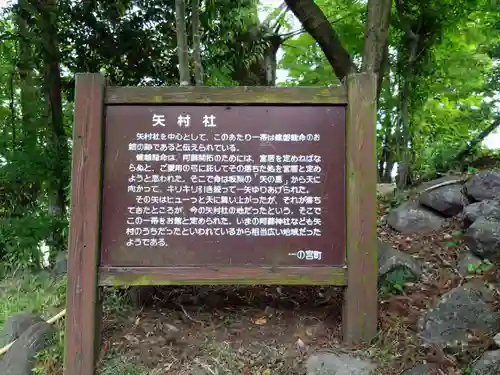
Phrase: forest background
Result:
[437,65]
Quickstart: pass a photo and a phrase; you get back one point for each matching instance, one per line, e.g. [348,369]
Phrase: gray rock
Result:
[465,261]
[459,311]
[17,324]
[391,260]
[423,369]
[338,364]
[489,208]
[444,180]
[488,364]
[496,339]
[61,264]
[410,217]
[483,238]
[448,200]
[20,359]
[483,185]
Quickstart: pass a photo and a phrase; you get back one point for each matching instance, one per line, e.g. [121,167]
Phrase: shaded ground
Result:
[229,330]
[269,330]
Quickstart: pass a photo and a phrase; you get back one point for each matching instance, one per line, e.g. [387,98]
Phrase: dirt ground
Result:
[271,330]
[229,330]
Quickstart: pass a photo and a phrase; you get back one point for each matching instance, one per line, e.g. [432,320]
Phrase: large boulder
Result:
[487,364]
[410,217]
[462,310]
[17,324]
[392,262]
[483,238]
[448,200]
[338,364]
[489,208]
[483,185]
[21,357]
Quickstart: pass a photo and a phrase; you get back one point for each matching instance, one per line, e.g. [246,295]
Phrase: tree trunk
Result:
[404,176]
[383,68]
[27,89]
[262,71]
[317,25]
[182,44]
[198,67]
[376,37]
[57,140]
[386,163]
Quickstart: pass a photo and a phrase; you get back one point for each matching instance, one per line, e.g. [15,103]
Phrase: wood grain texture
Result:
[226,95]
[83,258]
[361,298]
[222,275]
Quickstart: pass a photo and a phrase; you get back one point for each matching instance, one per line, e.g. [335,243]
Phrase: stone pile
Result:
[467,308]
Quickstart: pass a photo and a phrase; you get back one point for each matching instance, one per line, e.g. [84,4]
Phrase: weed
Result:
[393,282]
[480,268]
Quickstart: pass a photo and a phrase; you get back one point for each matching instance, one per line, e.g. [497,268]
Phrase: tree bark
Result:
[198,67]
[317,25]
[25,67]
[383,68]
[376,39]
[182,44]
[404,174]
[376,34]
[57,140]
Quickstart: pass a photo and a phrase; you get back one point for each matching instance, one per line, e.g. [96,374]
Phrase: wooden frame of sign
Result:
[94,262]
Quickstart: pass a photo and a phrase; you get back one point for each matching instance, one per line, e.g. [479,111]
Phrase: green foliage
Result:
[452,84]
[458,109]
[27,292]
[480,268]
[133,43]
[393,282]
[21,238]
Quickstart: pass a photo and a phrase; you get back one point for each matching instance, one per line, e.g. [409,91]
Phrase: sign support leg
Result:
[84,234]
[361,297]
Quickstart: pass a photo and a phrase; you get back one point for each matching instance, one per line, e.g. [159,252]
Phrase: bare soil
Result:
[229,330]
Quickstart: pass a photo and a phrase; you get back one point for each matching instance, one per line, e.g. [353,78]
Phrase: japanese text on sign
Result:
[191,174]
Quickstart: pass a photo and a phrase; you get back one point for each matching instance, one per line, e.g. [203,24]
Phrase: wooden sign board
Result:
[207,185]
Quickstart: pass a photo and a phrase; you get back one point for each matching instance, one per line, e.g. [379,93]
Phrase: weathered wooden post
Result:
[361,297]
[83,301]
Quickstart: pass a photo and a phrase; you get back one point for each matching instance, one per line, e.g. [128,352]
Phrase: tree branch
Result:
[275,13]
[476,141]
[405,22]
[315,23]
[294,33]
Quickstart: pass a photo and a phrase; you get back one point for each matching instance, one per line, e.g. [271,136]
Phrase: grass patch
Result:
[23,292]
[45,295]
[121,366]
